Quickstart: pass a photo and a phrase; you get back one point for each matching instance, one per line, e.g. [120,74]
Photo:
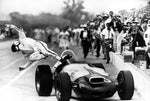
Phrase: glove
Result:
[63,60]
[68,56]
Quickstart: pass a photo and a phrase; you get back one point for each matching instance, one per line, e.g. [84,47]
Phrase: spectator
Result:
[136,33]
[98,41]
[107,35]
[54,38]
[85,41]
[144,25]
[64,39]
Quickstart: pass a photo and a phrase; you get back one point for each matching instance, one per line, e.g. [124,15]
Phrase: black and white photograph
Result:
[74,50]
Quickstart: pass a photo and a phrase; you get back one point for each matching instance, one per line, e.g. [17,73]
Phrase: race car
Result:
[87,80]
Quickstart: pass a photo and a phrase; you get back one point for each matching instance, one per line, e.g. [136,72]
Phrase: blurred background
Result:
[35,15]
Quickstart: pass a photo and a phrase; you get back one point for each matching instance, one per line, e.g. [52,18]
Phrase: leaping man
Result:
[34,50]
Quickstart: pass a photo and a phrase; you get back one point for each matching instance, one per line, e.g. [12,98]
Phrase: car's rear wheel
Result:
[125,85]
[43,80]
[63,87]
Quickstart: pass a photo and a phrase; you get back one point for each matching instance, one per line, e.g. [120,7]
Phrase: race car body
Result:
[90,81]
[87,80]
[77,70]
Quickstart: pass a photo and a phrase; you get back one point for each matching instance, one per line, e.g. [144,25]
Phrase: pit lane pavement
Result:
[20,86]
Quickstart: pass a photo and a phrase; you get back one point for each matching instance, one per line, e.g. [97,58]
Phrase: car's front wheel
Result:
[63,87]
[43,80]
[125,85]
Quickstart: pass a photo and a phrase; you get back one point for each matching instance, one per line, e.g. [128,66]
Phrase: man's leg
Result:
[118,44]
[104,50]
[107,53]
[29,63]
[98,48]
[33,57]
[133,48]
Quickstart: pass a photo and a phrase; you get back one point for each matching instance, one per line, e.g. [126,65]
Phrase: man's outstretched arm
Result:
[20,31]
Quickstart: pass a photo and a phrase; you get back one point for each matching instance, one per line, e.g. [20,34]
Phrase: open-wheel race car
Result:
[87,80]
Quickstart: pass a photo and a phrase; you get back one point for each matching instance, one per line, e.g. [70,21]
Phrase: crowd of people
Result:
[102,34]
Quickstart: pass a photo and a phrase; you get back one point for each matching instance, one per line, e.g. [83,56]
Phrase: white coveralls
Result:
[64,40]
[35,50]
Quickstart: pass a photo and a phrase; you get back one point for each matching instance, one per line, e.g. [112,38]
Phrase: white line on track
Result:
[9,65]
[16,78]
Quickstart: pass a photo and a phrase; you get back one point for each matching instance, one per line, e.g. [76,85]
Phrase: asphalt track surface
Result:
[20,86]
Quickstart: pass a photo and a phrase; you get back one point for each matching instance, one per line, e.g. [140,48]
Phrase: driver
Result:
[34,50]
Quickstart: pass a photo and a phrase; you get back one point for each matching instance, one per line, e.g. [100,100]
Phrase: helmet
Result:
[15,46]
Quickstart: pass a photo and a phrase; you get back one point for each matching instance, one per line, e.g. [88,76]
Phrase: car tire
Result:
[125,85]
[63,87]
[43,80]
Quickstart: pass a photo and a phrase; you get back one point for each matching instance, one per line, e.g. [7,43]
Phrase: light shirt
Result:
[85,34]
[108,34]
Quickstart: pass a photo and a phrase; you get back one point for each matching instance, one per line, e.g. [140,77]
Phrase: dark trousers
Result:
[138,39]
[98,47]
[108,46]
[103,48]
[86,46]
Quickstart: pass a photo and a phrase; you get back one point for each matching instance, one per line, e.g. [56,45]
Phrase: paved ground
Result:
[20,86]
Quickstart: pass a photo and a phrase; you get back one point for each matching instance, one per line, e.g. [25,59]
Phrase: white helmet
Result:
[15,46]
